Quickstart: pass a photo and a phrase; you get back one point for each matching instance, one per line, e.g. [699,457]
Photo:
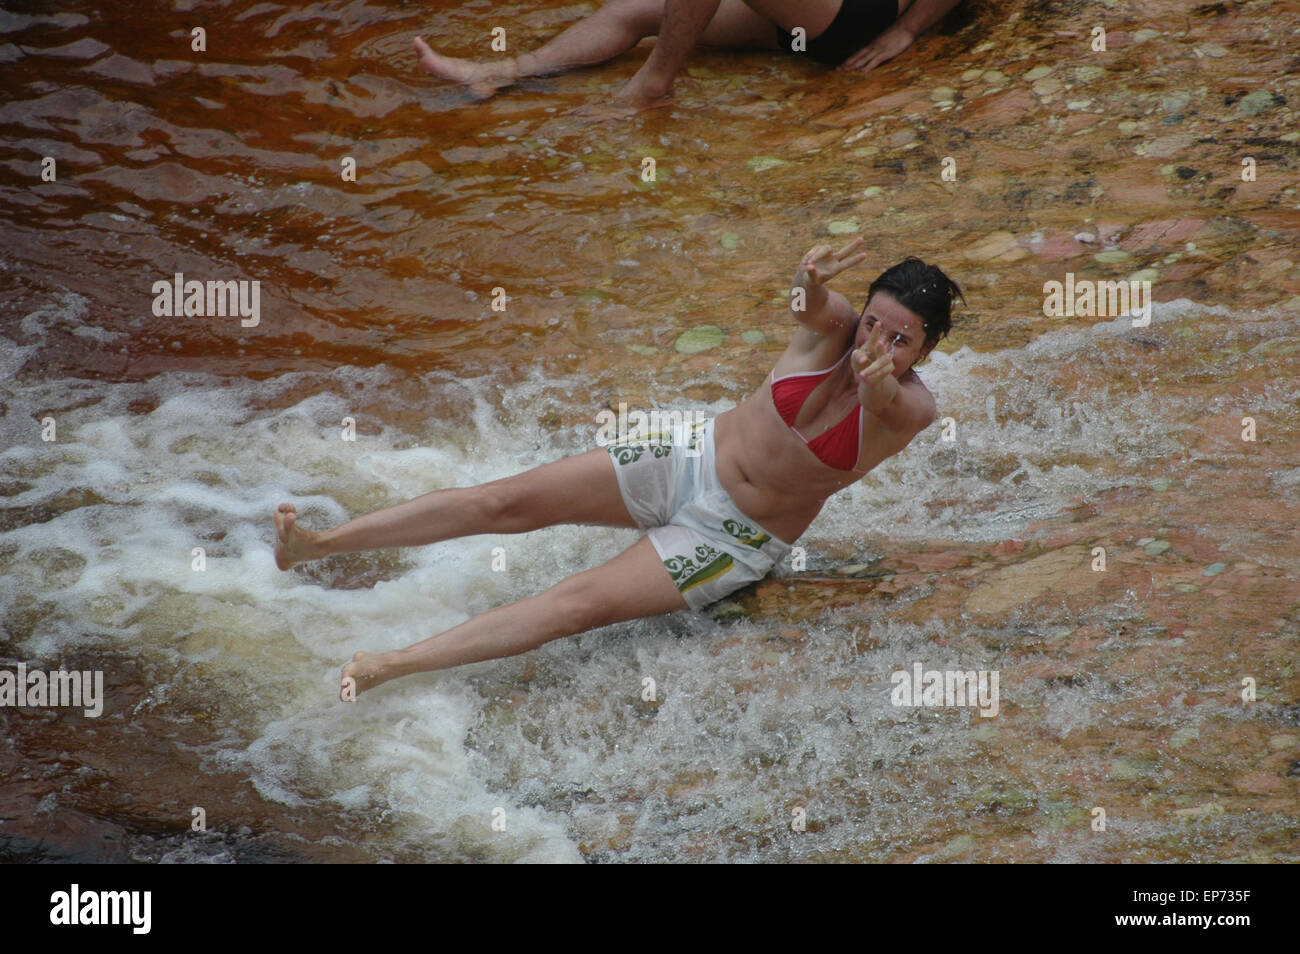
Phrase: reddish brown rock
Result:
[1259,783]
[1061,571]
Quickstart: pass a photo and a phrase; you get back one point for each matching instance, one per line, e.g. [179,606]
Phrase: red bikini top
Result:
[838,447]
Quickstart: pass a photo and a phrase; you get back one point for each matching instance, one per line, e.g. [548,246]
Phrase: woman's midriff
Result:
[771,475]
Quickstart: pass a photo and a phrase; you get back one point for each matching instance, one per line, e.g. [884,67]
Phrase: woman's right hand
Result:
[821,263]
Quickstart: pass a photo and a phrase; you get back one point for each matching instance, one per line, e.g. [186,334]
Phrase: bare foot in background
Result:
[481,79]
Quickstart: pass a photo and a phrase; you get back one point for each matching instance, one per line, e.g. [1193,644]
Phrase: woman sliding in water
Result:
[721,502]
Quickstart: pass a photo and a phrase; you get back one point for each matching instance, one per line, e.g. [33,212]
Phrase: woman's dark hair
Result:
[923,289]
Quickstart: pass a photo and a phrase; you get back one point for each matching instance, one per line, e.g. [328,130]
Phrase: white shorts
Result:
[670,485]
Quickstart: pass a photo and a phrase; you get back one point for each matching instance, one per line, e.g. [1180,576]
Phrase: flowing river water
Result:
[771,734]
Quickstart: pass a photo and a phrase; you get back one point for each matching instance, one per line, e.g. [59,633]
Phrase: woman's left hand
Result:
[873,365]
[873,362]
[880,50]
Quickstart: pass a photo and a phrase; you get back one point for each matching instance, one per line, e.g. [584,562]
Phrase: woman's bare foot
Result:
[366,671]
[644,92]
[481,79]
[293,544]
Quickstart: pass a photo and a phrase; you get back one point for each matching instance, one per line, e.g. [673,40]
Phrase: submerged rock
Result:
[1252,104]
[700,338]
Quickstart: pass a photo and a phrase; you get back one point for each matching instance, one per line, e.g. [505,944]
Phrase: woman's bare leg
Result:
[579,489]
[612,30]
[632,585]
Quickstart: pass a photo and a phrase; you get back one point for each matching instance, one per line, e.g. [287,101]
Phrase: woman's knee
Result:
[640,17]
[580,603]
[505,504]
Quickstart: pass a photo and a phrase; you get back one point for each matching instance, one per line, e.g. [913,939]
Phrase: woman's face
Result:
[902,330]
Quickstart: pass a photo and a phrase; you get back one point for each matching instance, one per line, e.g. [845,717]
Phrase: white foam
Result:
[205,469]
[1012,422]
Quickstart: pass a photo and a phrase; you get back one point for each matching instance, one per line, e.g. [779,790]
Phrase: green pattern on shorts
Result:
[706,564]
[749,536]
[631,453]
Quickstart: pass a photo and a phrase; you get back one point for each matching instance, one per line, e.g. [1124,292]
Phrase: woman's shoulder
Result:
[921,395]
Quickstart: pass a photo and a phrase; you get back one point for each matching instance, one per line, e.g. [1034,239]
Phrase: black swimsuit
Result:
[857,24]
